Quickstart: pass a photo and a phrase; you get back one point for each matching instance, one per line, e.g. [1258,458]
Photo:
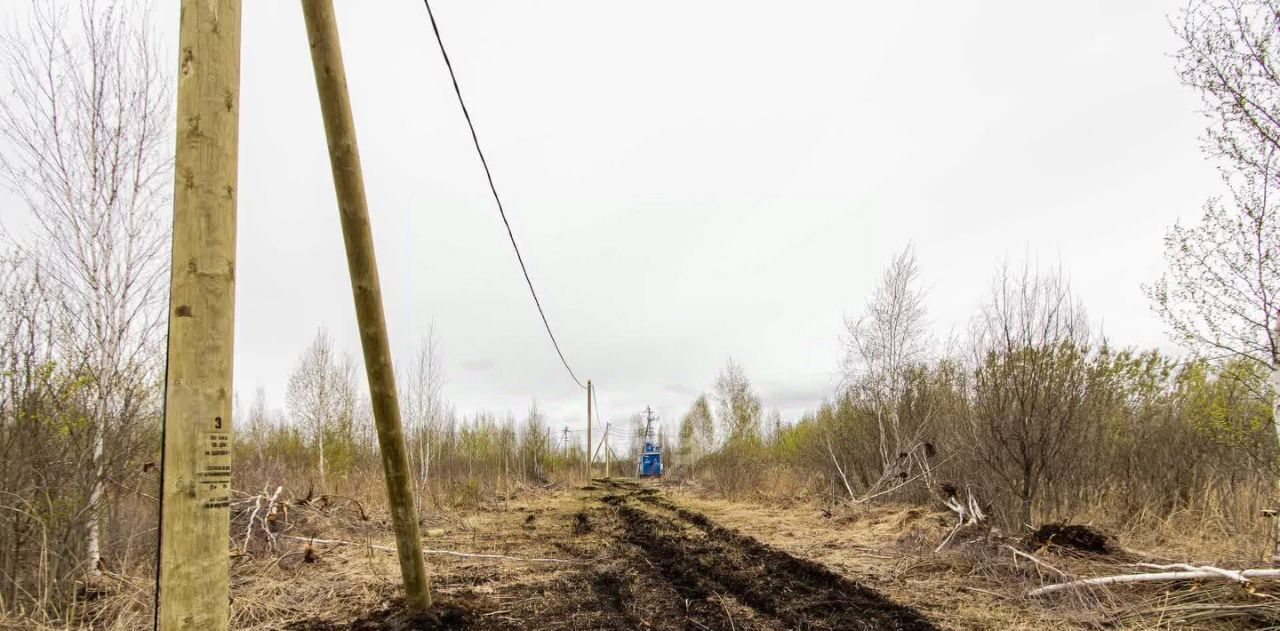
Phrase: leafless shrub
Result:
[85,127]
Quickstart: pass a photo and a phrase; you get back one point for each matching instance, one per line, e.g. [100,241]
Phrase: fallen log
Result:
[1227,574]
[840,470]
[1182,575]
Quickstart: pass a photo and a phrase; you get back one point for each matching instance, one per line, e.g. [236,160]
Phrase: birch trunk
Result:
[93,538]
[1275,416]
[106,377]
[322,480]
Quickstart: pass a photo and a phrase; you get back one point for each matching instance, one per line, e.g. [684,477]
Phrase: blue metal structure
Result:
[651,460]
[650,465]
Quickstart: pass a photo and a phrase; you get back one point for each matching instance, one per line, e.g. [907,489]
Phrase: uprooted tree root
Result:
[394,617]
[1074,538]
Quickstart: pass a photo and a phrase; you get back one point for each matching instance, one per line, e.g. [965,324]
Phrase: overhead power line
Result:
[494,189]
[597,405]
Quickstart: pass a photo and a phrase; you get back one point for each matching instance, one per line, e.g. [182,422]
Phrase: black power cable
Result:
[596,409]
[488,174]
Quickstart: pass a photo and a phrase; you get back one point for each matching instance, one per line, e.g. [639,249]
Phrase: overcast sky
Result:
[691,181]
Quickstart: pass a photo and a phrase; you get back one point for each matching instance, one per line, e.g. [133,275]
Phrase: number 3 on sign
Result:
[217,422]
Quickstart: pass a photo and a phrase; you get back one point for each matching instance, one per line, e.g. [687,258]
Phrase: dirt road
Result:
[644,562]
[711,567]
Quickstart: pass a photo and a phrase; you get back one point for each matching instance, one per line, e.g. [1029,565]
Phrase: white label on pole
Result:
[213,478]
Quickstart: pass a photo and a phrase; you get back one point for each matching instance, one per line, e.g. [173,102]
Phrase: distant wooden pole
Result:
[606,451]
[344,158]
[589,454]
[195,470]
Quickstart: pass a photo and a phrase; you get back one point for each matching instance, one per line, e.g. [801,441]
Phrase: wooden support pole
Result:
[589,454]
[606,451]
[196,465]
[193,588]
[600,445]
[344,158]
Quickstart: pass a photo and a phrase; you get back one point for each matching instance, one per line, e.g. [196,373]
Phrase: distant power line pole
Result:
[353,210]
[192,583]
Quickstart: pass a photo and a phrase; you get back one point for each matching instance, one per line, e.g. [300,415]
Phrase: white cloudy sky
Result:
[691,181]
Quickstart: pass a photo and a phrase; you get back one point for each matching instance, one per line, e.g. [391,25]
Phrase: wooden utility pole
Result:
[348,182]
[606,451]
[600,445]
[193,590]
[589,458]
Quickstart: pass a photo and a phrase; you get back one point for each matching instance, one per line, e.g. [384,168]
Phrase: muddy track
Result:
[648,563]
[702,559]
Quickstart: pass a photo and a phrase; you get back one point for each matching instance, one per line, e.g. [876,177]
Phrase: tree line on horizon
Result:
[1032,415]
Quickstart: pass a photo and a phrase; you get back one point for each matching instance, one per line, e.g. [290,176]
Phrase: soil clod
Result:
[393,617]
[581,524]
[1074,538]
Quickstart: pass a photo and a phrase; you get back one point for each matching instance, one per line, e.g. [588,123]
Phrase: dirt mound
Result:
[393,617]
[1074,538]
[581,523]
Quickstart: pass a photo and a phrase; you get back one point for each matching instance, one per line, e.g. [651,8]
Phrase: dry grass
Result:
[297,583]
[976,584]
[979,584]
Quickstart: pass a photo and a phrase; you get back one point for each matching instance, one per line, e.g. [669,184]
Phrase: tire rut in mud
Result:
[799,593]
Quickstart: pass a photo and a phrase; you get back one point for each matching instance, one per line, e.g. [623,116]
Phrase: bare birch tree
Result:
[739,405]
[884,344]
[86,125]
[1221,293]
[321,394]
[423,402]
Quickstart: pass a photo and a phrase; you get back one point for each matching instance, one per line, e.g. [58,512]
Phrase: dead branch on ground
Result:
[1202,572]
[470,555]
